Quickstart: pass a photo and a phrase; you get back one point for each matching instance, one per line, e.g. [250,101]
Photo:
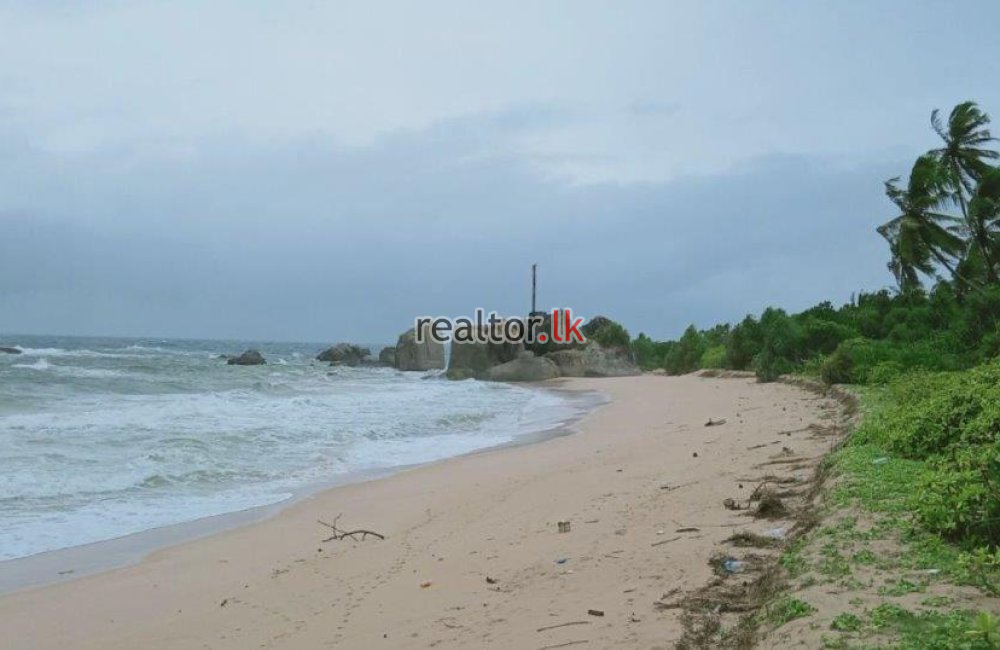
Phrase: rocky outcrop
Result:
[545,327]
[387,357]
[411,355]
[9,351]
[594,361]
[511,362]
[248,358]
[526,367]
[474,360]
[345,354]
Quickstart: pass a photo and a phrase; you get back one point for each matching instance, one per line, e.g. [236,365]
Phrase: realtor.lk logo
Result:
[559,327]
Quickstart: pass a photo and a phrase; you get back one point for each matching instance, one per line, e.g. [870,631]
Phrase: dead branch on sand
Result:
[340,534]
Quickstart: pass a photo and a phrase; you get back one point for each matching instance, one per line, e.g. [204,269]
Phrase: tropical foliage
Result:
[928,237]
[944,247]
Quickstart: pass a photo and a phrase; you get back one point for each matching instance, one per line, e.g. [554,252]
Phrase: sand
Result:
[472,557]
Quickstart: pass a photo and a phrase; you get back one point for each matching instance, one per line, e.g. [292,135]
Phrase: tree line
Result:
[944,247]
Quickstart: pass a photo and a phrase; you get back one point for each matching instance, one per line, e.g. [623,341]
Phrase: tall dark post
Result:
[534,284]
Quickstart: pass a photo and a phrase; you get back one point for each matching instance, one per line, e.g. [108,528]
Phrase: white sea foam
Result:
[40,364]
[94,446]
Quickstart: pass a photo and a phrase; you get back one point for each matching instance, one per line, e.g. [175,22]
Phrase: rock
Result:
[410,355]
[526,367]
[387,357]
[10,351]
[545,327]
[248,358]
[593,361]
[473,360]
[344,354]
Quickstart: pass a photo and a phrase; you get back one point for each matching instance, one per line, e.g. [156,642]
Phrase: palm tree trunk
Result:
[975,229]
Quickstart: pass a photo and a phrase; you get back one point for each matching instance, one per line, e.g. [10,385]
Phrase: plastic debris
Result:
[775,533]
[732,565]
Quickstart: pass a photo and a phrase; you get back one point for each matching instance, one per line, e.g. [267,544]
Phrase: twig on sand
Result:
[665,541]
[339,533]
[563,645]
[671,488]
[553,627]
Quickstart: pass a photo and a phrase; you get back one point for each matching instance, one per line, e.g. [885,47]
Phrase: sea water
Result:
[100,438]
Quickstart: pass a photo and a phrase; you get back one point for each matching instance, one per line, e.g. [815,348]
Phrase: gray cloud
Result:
[315,242]
[304,171]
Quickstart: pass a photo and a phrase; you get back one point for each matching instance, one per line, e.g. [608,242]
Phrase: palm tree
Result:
[984,210]
[921,238]
[964,156]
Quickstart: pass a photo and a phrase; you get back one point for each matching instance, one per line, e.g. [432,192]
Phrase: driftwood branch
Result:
[340,533]
[553,627]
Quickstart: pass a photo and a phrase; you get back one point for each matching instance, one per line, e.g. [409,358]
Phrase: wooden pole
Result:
[534,285]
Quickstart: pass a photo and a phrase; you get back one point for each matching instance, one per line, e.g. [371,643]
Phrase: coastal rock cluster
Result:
[511,362]
[248,358]
[479,361]
[346,354]
[411,355]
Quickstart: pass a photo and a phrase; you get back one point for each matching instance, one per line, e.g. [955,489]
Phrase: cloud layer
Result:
[303,171]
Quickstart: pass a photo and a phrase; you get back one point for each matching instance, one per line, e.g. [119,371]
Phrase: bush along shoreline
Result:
[902,549]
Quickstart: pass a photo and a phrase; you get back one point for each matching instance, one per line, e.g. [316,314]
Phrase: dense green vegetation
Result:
[944,247]
[950,422]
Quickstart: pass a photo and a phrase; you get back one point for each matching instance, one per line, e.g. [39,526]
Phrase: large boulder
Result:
[411,355]
[344,354]
[387,357]
[9,350]
[248,358]
[526,367]
[474,360]
[550,345]
[594,361]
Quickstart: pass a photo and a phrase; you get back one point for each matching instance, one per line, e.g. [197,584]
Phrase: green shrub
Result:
[821,336]
[744,343]
[714,357]
[780,339]
[813,366]
[685,355]
[837,368]
[606,332]
[648,353]
[769,366]
[951,420]
[884,372]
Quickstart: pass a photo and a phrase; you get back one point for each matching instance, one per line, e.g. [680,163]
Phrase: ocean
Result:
[104,437]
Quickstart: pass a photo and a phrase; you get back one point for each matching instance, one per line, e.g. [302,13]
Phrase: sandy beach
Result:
[472,555]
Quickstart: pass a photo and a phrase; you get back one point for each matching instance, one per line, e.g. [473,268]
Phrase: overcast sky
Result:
[327,171]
